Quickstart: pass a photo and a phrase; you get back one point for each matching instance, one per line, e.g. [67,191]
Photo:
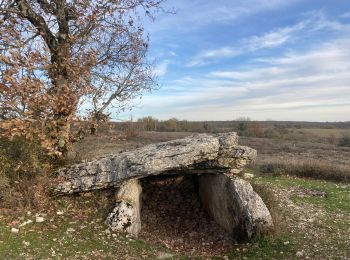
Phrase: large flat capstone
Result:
[201,153]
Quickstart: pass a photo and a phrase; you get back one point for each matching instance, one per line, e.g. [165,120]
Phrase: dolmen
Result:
[215,159]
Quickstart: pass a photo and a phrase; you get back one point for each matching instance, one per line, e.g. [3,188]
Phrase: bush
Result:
[4,186]
[344,141]
[20,160]
[130,129]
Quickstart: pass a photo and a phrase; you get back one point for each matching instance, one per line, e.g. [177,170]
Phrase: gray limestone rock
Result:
[126,216]
[215,158]
[201,153]
[234,205]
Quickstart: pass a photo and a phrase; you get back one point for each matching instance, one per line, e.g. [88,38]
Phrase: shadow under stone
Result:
[172,214]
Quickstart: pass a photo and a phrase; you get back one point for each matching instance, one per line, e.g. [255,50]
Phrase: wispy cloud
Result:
[314,82]
[207,56]
[274,38]
[198,13]
[161,69]
[219,60]
[345,15]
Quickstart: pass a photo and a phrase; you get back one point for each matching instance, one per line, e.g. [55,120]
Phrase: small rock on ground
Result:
[14,230]
[163,255]
[39,219]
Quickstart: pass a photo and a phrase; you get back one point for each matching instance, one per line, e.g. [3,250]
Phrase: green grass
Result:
[51,240]
[266,248]
[337,195]
[87,241]
[320,225]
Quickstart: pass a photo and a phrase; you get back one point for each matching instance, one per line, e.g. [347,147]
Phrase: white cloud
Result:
[273,38]
[161,69]
[268,40]
[204,57]
[345,15]
[316,21]
[198,13]
[304,85]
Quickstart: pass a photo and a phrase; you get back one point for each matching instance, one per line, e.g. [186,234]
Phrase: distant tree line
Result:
[245,127]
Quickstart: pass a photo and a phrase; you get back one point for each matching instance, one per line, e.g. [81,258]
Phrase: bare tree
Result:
[56,54]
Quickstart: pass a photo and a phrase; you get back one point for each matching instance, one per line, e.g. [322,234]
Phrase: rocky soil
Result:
[172,215]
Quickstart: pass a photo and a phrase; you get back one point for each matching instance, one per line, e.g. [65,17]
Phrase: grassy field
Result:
[311,215]
[326,132]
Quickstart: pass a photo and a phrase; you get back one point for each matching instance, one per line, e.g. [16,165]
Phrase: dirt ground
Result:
[172,214]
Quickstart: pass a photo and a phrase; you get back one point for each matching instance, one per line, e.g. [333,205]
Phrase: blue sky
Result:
[263,59]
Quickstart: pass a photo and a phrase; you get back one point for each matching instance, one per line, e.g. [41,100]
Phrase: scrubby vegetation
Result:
[344,141]
[22,159]
[23,163]
[309,168]
[329,133]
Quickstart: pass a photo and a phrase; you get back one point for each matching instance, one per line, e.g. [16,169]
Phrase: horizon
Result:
[230,120]
[219,61]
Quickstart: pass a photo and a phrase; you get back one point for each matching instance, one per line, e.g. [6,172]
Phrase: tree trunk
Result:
[63,93]
[62,134]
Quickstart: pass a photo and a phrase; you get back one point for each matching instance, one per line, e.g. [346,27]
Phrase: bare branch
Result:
[27,12]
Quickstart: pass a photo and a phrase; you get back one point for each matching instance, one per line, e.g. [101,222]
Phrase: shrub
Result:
[21,163]
[255,129]
[130,129]
[344,141]
[4,186]
[242,128]
[20,158]
[331,138]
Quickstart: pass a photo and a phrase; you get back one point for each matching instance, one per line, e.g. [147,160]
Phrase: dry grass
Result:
[326,132]
[266,193]
[309,168]
[303,159]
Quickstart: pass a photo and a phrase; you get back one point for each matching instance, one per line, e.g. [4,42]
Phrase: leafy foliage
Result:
[57,55]
[21,159]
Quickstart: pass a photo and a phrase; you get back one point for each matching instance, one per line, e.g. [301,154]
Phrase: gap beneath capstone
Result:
[172,214]
[170,209]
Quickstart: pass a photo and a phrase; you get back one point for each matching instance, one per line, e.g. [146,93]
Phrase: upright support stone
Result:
[234,205]
[126,216]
